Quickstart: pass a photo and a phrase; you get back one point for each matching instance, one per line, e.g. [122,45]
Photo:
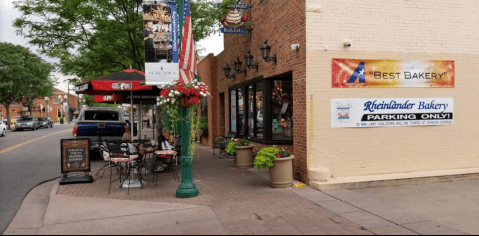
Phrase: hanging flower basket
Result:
[183,102]
[180,95]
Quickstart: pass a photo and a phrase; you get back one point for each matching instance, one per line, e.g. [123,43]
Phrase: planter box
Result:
[244,157]
[281,174]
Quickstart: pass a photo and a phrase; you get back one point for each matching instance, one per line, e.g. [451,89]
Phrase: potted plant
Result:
[280,164]
[243,151]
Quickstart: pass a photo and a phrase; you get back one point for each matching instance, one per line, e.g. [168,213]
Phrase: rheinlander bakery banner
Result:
[359,73]
[160,33]
[377,112]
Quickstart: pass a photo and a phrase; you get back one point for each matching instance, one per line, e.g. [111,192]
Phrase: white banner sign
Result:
[160,33]
[377,112]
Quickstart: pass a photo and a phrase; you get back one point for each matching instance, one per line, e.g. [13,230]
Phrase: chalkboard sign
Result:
[75,156]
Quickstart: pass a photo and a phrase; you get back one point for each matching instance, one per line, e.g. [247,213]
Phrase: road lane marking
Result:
[30,141]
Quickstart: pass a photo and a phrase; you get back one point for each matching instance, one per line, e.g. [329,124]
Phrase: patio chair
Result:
[170,157]
[120,153]
[220,143]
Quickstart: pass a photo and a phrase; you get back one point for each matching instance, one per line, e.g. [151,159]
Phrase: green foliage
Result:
[234,144]
[205,17]
[265,157]
[23,74]
[91,38]
[95,38]
[203,123]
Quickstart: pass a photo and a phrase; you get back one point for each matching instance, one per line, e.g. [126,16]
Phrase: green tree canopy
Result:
[23,75]
[100,37]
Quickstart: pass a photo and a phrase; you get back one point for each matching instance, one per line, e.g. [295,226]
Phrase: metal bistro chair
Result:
[220,143]
[170,158]
[120,153]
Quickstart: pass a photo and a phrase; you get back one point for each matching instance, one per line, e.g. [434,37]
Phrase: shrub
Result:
[267,155]
[233,144]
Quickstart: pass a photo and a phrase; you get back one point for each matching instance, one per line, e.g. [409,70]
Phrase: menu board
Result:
[75,155]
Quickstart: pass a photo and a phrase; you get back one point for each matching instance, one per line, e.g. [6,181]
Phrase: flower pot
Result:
[281,174]
[244,157]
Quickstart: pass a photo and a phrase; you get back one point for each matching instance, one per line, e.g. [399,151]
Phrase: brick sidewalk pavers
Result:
[241,199]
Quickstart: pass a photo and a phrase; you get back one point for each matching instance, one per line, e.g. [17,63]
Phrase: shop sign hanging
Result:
[234,22]
[378,112]
[359,73]
[160,33]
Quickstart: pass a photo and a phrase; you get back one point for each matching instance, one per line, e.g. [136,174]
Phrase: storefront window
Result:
[250,111]
[262,110]
[241,112]
[259,110]
[233,111]
[282,110]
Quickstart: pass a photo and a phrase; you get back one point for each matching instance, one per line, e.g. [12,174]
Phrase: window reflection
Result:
[259,110]
[282,108]
[241,112]
[250,112]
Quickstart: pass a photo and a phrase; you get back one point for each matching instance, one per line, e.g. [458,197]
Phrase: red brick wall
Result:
[283,24]
[207,68]
[36,112]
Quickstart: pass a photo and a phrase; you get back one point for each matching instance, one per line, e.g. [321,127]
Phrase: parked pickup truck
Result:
[99,121]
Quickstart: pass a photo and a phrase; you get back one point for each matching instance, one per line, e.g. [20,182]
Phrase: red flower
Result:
[238,140]
[278,155]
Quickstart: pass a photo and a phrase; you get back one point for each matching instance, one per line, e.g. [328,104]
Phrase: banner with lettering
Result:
[377,112]
[358,73]
[160,33]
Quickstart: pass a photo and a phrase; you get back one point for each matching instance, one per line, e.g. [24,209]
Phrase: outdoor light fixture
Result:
[227,70]
[249,61]
[238,64]
[265,51]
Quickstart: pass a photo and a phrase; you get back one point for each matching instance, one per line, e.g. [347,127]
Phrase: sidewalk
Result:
[231,201]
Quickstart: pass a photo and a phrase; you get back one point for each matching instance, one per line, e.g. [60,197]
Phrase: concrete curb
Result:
[23,220]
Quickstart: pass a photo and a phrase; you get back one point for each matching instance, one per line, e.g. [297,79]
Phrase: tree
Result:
[22,74]
[95,38]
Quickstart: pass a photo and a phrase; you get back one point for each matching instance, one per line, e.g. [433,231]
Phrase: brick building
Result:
[54,104]
[283,24]
[399,37]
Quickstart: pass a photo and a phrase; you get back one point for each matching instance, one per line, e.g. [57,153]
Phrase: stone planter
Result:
[244,157]
[281,174]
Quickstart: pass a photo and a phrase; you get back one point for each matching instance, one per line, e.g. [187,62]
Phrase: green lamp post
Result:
[61,104]
[187,188]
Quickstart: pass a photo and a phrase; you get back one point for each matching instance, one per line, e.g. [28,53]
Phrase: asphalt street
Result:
[27,158]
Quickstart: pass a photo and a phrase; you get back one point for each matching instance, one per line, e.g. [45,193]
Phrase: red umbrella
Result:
[116,85]
[125,80]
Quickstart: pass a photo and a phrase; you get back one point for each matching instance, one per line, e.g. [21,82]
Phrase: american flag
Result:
[188,53]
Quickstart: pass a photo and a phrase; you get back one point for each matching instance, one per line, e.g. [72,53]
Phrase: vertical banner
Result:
[361,73]
[160,33]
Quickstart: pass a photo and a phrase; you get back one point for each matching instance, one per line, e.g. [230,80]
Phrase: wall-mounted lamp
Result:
[265,51]
[227,70]
[238,69]
[249,61]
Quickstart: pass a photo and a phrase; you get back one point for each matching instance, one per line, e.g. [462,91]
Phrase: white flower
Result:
[178,93]
[173,100]
[168,100]
[196,87]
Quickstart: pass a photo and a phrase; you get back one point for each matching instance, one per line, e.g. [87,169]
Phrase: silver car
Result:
[26,122]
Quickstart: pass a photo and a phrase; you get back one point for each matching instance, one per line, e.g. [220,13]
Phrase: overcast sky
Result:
[213,44]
